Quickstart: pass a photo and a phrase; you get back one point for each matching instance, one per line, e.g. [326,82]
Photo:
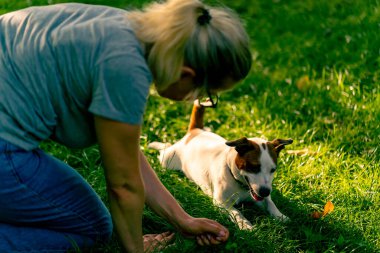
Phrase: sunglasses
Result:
[211,100]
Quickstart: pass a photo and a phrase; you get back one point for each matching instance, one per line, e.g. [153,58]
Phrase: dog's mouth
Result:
[254,195]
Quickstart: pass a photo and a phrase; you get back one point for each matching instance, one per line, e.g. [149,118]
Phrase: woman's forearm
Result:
[119,146]
[159,198]
[126,207]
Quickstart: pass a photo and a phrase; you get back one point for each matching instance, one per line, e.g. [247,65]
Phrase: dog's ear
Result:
[279,144]
[241,145]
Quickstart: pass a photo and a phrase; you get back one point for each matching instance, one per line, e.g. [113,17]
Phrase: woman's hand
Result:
[156,242]
[206,231]
[158,198]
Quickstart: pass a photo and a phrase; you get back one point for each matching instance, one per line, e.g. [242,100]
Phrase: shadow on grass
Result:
[319,235]
[301,234]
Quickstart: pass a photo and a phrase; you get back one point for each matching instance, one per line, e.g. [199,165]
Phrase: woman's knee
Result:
[107,229]
[103,230]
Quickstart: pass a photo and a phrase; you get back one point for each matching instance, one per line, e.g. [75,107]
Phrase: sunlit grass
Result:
[315,79]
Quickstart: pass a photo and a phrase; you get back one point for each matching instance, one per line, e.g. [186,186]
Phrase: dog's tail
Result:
[196,118]
[167,157]
[158,145]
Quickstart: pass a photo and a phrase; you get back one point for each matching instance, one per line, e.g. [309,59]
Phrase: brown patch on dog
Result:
[272,152]
[264,146]
[279,144]
[196,118]
[196,122]
[250,160]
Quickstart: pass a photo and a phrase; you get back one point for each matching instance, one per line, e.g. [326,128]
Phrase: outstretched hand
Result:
[205,231]
[157,242]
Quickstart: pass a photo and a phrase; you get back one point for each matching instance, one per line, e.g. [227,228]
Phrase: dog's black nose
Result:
[264,192]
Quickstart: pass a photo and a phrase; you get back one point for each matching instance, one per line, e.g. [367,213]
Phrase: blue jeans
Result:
[46,206]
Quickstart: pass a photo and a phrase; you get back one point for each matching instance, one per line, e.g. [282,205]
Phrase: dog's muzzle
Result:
[259,196]
[264,192]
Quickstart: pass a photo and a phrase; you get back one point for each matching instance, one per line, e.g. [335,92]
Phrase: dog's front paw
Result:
[245,225]
[283,218]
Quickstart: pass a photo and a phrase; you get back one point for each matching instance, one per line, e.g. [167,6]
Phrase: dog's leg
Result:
[272,209]
[196,118]
[239,219]
[226,200]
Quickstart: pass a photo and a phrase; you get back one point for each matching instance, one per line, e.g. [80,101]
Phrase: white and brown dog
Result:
[228,171]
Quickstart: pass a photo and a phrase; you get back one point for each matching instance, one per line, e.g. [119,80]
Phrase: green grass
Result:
[315,79]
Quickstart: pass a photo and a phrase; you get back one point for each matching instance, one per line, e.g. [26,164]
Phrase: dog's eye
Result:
[272,170]
[253,168]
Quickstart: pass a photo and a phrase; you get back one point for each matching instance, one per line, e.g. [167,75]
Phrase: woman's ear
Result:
[187,72]
[187,78]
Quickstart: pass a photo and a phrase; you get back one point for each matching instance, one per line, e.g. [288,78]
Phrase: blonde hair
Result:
[174,37]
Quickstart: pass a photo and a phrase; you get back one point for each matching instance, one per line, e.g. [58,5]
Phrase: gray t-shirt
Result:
[64,63]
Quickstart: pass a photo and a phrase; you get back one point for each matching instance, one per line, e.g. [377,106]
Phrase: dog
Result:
[228,171]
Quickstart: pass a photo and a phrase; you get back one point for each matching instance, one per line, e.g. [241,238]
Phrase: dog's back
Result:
[189,152]
[171,155]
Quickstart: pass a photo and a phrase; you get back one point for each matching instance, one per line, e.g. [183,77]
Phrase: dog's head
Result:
[256,161]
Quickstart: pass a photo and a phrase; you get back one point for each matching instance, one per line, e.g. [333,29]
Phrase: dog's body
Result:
[229,172]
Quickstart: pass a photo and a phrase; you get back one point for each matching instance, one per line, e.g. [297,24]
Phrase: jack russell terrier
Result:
[228,171]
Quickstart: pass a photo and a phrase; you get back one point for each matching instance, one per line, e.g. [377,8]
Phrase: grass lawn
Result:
[315,79]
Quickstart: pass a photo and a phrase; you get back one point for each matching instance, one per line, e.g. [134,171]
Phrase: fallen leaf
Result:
[329,207]
[303,83]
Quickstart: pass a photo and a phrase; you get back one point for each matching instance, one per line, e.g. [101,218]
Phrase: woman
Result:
[80,74]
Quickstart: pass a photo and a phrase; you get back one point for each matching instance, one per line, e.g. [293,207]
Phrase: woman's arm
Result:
[163,203]
[127,171]
[119,146]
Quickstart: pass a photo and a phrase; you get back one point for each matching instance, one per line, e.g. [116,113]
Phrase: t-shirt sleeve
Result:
[121,79]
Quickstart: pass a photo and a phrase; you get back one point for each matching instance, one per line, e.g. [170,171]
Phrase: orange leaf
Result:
[303,83]
[329,207]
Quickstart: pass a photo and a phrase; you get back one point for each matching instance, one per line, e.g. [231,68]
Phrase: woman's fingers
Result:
[199,241]
[154,242]
[207,239]
[222,235]
[205,231]
[216,230]
[214,240]
[166,236]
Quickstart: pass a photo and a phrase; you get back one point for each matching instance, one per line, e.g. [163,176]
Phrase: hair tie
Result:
[204,18]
